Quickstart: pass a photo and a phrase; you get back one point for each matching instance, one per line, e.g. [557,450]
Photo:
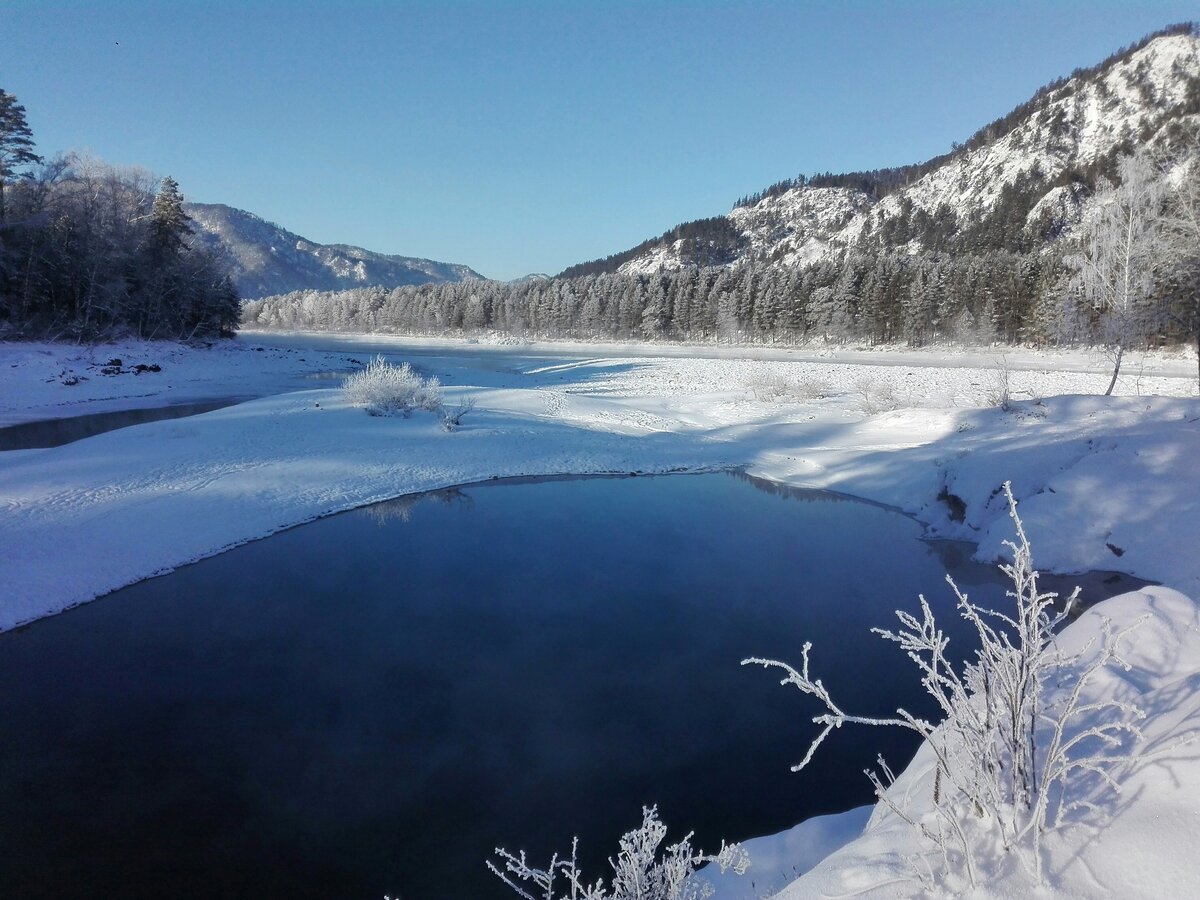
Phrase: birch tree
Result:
[1183,235]
[1121,246]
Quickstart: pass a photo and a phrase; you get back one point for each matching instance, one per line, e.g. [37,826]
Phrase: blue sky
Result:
[523,137]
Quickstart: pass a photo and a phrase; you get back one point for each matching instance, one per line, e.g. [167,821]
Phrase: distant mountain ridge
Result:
[265,259]
[1013,185]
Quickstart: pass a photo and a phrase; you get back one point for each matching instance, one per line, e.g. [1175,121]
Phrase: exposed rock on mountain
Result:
[1013,185]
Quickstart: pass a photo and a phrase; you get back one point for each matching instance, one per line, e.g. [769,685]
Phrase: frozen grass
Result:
[776,387]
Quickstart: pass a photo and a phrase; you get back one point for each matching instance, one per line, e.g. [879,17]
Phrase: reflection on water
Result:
[401,509]
[371,703]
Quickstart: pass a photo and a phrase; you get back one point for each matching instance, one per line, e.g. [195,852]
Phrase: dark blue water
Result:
[370,703]
[56,432]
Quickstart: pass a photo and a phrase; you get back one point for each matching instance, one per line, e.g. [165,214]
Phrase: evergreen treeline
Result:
[881,297]
[89,251]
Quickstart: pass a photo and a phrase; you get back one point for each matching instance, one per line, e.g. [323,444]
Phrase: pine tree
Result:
[169,223]
[16,141]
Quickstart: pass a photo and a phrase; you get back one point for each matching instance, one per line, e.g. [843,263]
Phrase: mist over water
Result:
[371,703]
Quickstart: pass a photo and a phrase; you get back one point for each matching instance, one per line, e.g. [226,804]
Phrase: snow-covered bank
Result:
[1138,842]
[52,381]
[86,518]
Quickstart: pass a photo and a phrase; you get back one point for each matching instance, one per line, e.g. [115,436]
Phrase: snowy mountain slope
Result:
[1019,180]
[267,259]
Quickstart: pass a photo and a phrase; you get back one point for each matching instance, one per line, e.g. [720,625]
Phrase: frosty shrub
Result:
[775,387]
[876,396]
[388,390]
[1021,749]
[639,872]
[1000,391]
[452,418]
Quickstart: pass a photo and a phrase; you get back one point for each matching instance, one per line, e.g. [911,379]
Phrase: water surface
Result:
[370,703]
[56,432]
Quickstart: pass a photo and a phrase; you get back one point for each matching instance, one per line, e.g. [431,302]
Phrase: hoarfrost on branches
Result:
[388,390]
[1121,248]
[639,872]
[1020,735]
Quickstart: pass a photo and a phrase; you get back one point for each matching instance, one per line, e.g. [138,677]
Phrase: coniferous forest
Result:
[90,251]
[889,297]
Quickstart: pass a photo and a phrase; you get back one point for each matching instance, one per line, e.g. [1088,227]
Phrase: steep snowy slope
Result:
[1016,183]
[267,259]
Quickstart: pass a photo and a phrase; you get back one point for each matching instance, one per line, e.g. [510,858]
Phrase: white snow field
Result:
[1103,483]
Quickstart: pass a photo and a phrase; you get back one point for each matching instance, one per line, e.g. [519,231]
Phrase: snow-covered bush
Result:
[876,396]
[388,390]
[1000,392]
[1021,750]
[452,418]
[639,873]
[775,387]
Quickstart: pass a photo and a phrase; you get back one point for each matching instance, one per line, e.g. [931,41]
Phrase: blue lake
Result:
[371,703]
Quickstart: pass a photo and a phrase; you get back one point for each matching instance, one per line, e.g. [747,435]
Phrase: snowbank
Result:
[1140,843]
[51,381]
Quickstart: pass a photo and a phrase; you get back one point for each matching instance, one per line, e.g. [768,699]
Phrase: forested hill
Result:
[1004,239]
[1012,186]
[264,258]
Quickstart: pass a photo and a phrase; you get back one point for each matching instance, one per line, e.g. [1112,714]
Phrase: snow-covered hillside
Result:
[266,259]
[1134,101]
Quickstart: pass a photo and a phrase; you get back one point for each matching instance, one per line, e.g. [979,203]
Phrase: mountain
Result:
[970,246]
[1015,184]
[266,259]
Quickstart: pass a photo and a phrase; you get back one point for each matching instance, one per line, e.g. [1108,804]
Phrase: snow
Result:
[777,860]
[34,376]
[1104,483]
[806,224]
[1143,842]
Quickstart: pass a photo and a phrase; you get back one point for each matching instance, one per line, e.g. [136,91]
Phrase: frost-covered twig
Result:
[638,871]
[1020,732]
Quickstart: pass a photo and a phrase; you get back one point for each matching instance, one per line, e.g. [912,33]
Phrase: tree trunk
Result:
[1116,371]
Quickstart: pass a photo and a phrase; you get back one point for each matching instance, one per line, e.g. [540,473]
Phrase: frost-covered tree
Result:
[1121,245]
[1183,238]
[97,253]
[170,225]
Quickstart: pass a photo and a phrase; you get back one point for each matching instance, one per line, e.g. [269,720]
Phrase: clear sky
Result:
[521,137]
